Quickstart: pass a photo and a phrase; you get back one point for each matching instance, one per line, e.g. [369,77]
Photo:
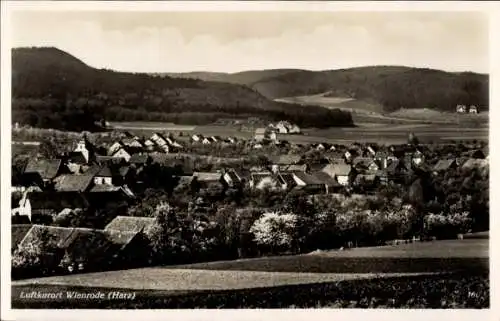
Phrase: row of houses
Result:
[472,109]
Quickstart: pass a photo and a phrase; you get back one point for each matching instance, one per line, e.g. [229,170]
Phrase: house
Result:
[294,168]
[330,184]
[173,143]
[444,165]
[365,181]
[231,140]
[232,178]
[260,134]
[104,176]
[86,149]
[461,108]
[475,163]
[264,180]
[123,153]
[283,161]
[158,139]
[207,141]
[308,182]
[282,128]
[197,138]
[477,154]
[286,181]
[149,145]
[73,183]
[18,232]
[365,164]
[47,169]
[371,150]
[473,109]
[130,224]
[140,159]
[294,129]
[133,143]
[209,179]
[215,139]
[37,204]
[343,173]
[397,169]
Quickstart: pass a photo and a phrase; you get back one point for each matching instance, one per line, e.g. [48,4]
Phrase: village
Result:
[91,178]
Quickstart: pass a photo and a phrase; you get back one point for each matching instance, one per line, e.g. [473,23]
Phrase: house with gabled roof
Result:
[73,183]
[282,161]
[123,153]
[286,181]
[159,139]
[365,164]
[86,149]
[444,165]
[343,173]
[48,169]
[330,183]
[197,138]
[104,176]
[264,180]
[232,178]
[130,224]
[308,182]
[18,233]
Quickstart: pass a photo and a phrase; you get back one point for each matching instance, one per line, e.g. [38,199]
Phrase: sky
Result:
[236,41]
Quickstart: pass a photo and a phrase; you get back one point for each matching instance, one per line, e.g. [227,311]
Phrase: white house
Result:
[473,109]
[104,176]
[196,138]
[115,147]
[461,109]
[122,153]
[158,139]
[84,148]
[294,129]
[206,141]
[282,128]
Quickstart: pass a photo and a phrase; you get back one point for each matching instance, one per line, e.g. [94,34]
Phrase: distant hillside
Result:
[243,78]
[393,87]
[51,88]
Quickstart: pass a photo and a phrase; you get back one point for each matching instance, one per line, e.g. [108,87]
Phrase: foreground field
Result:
[469,290]
[417,274]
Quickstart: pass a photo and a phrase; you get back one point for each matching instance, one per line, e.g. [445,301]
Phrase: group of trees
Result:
[52,89]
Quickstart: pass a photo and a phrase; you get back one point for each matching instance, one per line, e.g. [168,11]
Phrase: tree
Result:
[40,254]
[275,231]
[48,149]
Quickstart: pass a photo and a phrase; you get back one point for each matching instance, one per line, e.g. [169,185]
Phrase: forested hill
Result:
[243,78]
[393,87]
[51,88]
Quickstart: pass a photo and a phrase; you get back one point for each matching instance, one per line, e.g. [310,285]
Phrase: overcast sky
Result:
[230,42]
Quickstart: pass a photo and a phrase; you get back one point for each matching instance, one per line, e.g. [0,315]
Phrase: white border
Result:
[8,6]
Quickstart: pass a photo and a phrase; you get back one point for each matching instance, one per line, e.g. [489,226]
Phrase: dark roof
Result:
[139,158]
[73,183]
[31,179]
[308,179]
[120,237]
[444,164]
[57,200]
[362,161]
[76,157]
[47,168]
[130,223]
[325,178]
[287,178]
[18,232]
[104,171]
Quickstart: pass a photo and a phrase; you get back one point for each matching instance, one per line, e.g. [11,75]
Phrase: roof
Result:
[393,165]
[139,158]
[337,169]
[287,178]
[286,159]
[260,131]
[207,176]
[104,171]
[101,188]
[295,168]
[18,232]
[57,201]
[443,164]
[76,157]
[130,223]
[73,183]
[325,178]
[308,179]
[234,177]
[121,237]
[475,163]
[47,168]
[363,161]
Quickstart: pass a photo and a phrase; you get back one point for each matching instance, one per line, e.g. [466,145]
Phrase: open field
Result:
[470,290]
[455,271]
[368,132]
